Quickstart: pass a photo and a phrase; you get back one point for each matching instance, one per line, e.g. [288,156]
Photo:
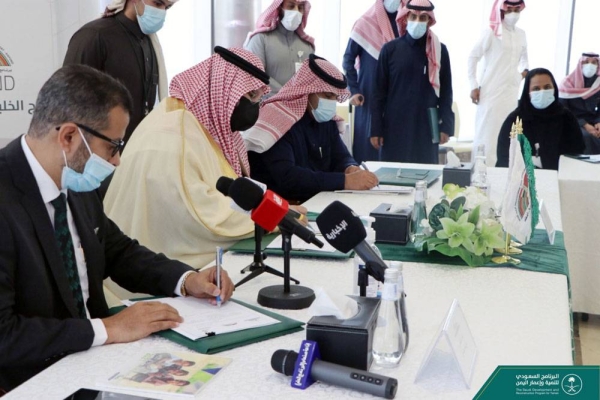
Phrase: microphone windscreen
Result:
[246,194]
[284,361]
[223,185]
[341,227]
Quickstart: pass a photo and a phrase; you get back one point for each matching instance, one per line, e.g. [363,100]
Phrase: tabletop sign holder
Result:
[547,222]
[455,332]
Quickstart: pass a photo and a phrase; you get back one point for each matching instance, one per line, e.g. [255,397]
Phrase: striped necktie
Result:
[65,244]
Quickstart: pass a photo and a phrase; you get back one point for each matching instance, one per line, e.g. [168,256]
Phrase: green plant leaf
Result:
[453,215]
[474,215]
[438,211]
[457,202]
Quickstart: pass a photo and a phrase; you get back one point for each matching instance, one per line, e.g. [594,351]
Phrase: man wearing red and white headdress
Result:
[164,192]
[504,47]
[123,44]
[371,31]
[280,40]
[308,155]
[413,87]
[580,93]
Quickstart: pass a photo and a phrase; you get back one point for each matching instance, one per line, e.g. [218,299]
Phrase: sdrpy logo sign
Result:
[571,384]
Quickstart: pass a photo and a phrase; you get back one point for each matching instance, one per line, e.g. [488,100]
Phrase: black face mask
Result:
[244,115]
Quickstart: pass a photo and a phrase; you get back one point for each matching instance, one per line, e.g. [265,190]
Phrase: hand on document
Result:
[140,320]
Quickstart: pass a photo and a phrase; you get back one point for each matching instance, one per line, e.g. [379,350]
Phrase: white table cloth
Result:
[517,318]
[579,184]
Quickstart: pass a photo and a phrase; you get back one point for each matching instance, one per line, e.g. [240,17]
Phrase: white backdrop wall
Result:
[35,35]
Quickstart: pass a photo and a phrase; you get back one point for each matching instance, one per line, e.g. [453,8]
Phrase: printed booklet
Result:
[173,373]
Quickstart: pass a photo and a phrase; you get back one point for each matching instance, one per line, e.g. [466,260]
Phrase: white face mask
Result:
[391,6]
[416,29]
[541,99]
[291,19]
[511,19]
[589,70]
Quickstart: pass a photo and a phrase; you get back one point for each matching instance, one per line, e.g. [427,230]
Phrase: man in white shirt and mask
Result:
[504,47]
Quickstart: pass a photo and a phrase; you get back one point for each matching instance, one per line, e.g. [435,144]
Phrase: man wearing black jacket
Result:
[57,245]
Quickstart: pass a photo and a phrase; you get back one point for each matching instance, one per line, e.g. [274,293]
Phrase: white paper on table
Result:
[299,244]
[381,189]
[201,319]
[547,222]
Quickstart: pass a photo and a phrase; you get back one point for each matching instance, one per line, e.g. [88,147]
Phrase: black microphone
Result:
[266,207]
[344,230]
[284,361]
[223,185]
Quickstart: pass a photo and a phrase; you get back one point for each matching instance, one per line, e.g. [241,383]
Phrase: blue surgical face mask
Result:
[152,19]
[416,29]
[325,110]
[541,99]
[391,6]
[95,171]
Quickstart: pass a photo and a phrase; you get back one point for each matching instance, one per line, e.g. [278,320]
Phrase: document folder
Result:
[406,176]
[226,341]
[434,124]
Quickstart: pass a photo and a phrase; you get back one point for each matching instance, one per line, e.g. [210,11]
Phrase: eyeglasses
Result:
[118,144]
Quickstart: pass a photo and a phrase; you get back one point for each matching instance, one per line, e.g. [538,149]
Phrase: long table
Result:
[579,184]
[516,317]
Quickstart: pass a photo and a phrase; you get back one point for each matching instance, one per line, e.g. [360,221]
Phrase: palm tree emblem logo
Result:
[572,384]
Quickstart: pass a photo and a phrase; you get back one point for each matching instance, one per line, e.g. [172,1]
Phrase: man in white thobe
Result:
[504,47]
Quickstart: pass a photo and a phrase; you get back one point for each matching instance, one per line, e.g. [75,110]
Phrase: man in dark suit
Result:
[57,245]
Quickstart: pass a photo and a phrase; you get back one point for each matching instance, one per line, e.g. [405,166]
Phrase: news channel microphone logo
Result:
[337,230]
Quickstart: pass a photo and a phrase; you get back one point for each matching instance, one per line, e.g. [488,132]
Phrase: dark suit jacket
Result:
[38,323]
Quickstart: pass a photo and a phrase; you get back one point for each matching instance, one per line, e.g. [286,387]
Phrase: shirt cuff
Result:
[100,334]
[474,84]
[180,282]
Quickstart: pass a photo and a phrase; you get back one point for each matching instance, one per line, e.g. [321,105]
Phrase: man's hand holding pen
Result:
[203,285]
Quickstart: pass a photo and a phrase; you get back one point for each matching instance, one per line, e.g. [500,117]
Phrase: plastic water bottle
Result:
[374,286]
[480,179]
[401,303]
[388,343]
[419,211]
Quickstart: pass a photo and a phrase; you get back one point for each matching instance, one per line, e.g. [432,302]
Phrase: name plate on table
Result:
[406,176]
[453,345]
[547,222]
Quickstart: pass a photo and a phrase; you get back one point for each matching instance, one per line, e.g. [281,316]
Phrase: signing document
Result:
[381,189]
[201,319]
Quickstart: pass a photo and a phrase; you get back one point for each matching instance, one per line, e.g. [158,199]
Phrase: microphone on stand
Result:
[258,265]
[344,230]
[269,210]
